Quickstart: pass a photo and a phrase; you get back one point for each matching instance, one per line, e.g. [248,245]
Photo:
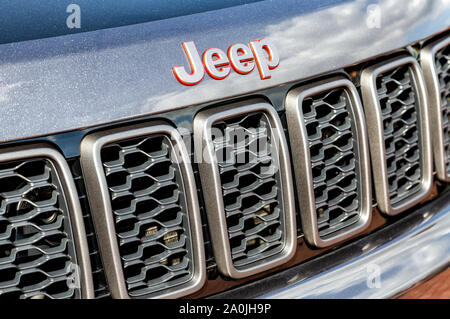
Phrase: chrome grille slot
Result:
[149,208]
[250,188]
[329,146]
[251,215]
[396,108]
[399,109]
[435,61]
[153,209]
[332,160]
[38,259]
[442,61]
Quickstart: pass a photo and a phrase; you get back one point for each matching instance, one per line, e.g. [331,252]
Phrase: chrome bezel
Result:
[70,193]
[374,122]
[302,161]
[97,189]
[427,61]
[211,186]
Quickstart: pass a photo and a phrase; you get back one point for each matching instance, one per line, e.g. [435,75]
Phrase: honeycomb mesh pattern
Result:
[36,244]
[442,62]
[251,187]
[149,208]
[397,95]
[329,125]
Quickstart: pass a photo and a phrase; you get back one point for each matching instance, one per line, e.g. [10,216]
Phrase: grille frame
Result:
[96,186]
[428,64]
[302,160]
[375,126]
[211,186]
[47,151]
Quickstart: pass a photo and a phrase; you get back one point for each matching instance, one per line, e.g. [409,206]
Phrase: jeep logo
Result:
[218,64]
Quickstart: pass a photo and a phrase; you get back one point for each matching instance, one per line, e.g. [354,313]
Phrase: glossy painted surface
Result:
[86,79]
[402,254]
[36,19]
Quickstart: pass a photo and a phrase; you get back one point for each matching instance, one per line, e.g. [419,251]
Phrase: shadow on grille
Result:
[397,96]
[330,132]
[250,184]
[442,62]
[149,207]
[101,289]
[36,245]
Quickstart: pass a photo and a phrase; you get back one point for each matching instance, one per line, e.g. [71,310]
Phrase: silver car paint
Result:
[87,79]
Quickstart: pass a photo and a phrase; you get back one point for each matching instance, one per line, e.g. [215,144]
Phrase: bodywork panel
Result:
[86,79]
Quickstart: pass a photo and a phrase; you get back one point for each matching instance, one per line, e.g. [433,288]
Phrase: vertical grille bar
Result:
[101,289]
[148,216]
[396,109]
[246,180]
[435,61]
[331,161]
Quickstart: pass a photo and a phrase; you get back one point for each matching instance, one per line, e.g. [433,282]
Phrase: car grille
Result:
[149,238]
[37,251]
[435,59]
[149,207]
[331,159]
[399,108]
[147,216]
[394,97]
[250,188]
[442,62]
[248,207]
[331,142]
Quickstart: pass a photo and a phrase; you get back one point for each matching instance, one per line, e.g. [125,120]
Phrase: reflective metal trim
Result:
[302,161]
[73,205]
[427,61]
[374,122]
[211,186]
[379,265]
[97,189]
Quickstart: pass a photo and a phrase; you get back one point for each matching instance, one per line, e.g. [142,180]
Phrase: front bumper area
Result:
[381,265]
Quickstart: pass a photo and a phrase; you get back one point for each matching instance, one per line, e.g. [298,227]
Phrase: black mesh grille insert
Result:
[251,187]
[329,123]
[397,95]
[37,256]
[442,62]
[151,219]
